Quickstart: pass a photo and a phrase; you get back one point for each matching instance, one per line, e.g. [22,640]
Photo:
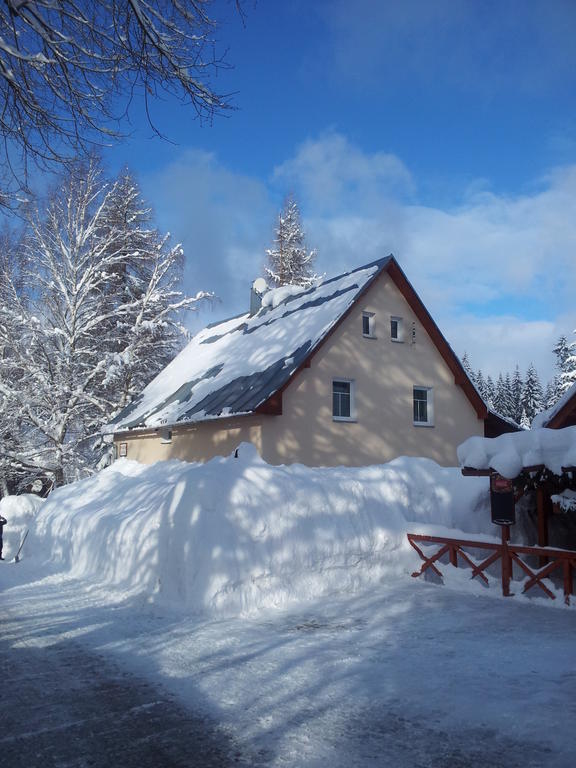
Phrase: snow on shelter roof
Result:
[233,367]
[509,454]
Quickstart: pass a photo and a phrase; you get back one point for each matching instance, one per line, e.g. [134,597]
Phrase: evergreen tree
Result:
[289,262]
[532,396]
[503,397]
[468,368]
[480,382]
[551,393]
[500,396]
[566,364]
[490,392]
[517,387]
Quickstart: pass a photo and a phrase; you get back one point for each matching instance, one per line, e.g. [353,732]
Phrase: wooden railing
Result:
[553,560]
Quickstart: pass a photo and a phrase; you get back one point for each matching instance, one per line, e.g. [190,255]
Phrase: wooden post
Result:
[542,509]
[506,561]
[454,556]
[567,565]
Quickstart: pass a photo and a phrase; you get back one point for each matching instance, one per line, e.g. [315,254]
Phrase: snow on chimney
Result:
[259,288]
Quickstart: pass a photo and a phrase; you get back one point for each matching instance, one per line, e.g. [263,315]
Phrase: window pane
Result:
[420,405]
[341,399]
[365,325]
[394,329]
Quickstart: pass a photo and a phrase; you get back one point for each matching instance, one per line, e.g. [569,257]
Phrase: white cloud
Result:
[497,273]
[333,175]
[499,343]
[222,218]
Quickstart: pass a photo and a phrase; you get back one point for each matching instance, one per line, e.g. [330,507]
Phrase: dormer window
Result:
[368,325]
[396,329]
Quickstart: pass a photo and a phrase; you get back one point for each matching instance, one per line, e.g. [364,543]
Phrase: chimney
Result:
[259,288]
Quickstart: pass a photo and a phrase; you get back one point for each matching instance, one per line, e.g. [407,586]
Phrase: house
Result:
[351,372]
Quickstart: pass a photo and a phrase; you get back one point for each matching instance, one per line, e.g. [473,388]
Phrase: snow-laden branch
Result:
[88,317]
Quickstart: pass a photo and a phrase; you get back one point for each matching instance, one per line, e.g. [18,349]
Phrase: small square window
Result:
[343,400]
[165,436]
[396,329]
[423,406]
[123,450]
[368,325]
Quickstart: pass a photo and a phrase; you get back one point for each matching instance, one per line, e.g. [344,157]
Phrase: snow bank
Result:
[20,512]
[509,453]
[233,536]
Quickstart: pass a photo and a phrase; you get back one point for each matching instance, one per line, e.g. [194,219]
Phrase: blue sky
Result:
[443,132]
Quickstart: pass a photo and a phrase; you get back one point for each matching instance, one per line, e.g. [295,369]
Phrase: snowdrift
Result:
[236,535]
[20,512]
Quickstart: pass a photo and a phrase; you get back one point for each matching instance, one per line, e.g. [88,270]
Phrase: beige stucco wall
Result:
[197,443]
[384,374]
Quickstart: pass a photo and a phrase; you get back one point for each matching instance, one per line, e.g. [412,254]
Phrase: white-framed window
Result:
[396,329]
[122,450]
[368,325]
[343,400]
[423,399]
[165,436]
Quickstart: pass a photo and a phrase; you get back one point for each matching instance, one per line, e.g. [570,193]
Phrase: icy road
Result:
[408,675]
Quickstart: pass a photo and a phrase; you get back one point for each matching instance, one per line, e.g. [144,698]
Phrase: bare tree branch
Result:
[70,68]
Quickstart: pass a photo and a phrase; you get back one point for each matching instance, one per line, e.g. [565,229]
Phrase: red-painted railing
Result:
[509,554]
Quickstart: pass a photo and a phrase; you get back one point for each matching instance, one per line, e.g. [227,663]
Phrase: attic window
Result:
[396,329]
[368,325]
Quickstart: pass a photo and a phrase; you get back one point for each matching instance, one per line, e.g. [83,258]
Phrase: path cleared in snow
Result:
[275,604]
[410,674]
[69,706]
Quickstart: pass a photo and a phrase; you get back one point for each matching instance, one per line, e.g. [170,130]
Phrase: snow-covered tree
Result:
[565,363]
[532,395]
[467,367]
[480,383]
[517,387]
[289,262]
[503,400]
[66,67]
[91,317]
[490,389]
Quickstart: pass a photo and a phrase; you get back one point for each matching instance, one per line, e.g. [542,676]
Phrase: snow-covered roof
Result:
[235,366]
[510,453]
[545,418]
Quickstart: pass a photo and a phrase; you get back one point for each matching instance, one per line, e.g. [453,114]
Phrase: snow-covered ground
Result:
[280,600]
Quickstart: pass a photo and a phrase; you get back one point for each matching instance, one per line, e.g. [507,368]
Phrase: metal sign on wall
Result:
[502,505]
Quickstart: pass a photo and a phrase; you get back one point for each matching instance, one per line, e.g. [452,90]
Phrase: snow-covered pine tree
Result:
[94,318]
[566,364]
[517,387]
[490,392]
[503,402]
[468,368]
[289,262]
[532,395]
[500,399]
[551,393]
[480,382]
